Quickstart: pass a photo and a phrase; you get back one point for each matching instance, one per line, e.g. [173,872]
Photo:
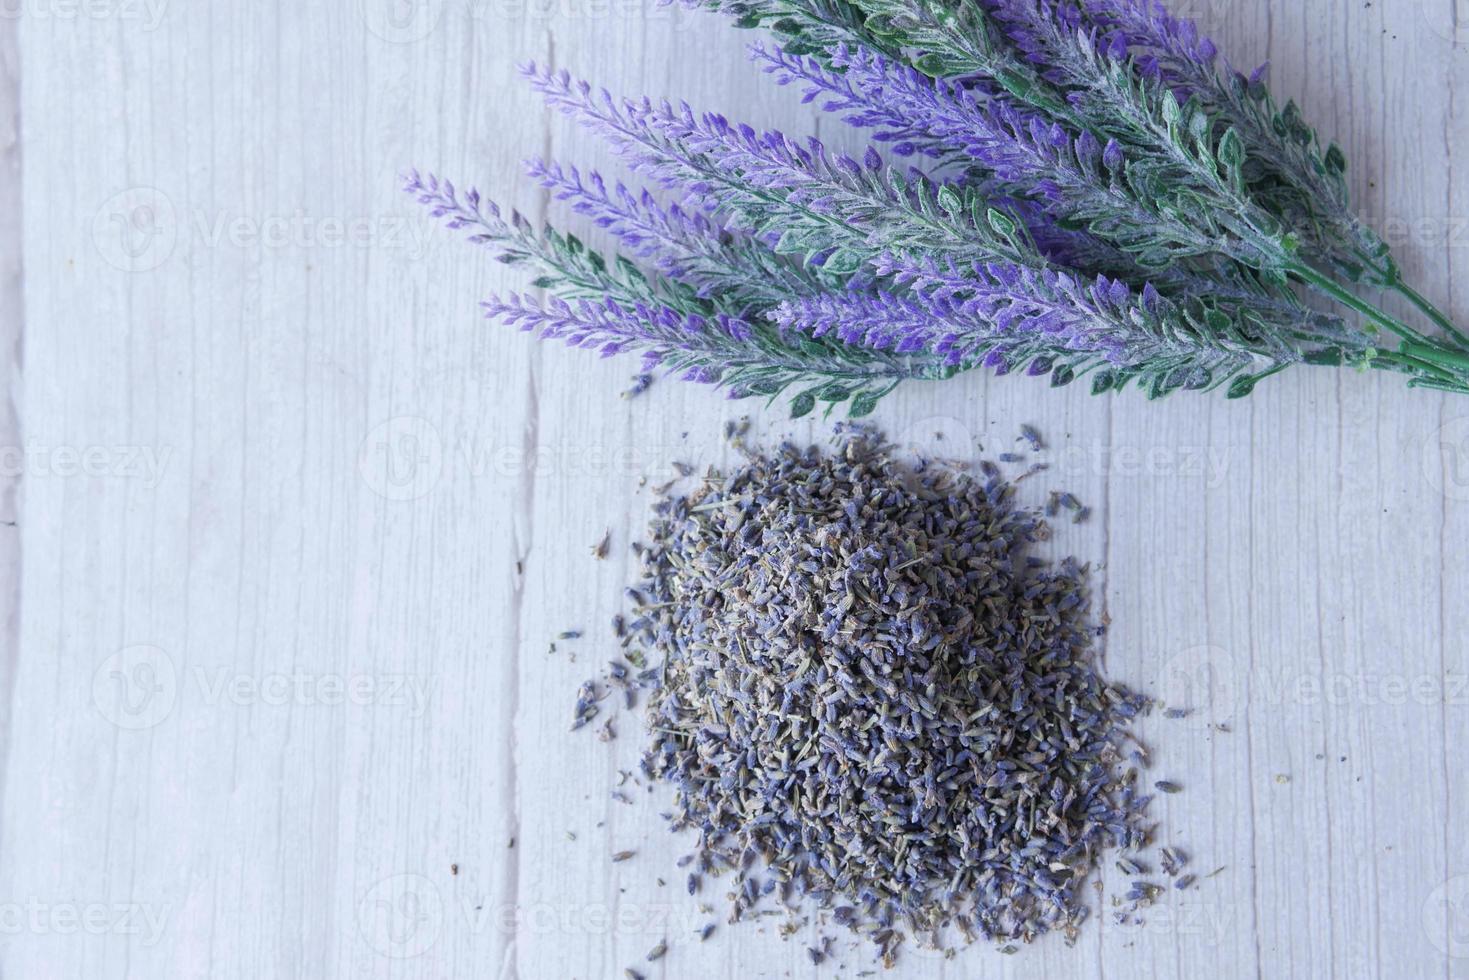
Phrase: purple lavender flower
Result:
[662,333]
[1078,179]
[1166,48]
[791,195]
[1104,200]
[689,247]
[963,314]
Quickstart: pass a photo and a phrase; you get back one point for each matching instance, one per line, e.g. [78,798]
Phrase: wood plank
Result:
[284,692]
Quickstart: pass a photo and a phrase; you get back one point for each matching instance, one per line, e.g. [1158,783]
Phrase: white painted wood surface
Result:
[296,529]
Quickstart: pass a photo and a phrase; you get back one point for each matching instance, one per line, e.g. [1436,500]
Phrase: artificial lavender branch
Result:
[1104,201]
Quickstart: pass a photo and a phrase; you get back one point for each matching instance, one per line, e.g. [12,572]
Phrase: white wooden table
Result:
[286,531]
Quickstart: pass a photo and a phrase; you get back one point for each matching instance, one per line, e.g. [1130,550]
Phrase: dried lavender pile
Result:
[873,697]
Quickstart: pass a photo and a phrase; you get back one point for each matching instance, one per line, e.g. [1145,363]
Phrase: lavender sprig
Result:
[835,211]
[1079,180]
[1083,78]
[617,308]
[1288,169]
[1104,200]
[688,247]
[1048,322]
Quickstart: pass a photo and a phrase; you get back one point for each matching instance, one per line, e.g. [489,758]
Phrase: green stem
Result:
[1331,288]
[1418,351]
[1422,371]
[1452,359]
[1432,312]
[1392,278]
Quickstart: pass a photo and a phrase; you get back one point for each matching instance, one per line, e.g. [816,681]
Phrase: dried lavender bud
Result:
[640,384]
[862,667]
[586,705]
[656,953]
[1144,891]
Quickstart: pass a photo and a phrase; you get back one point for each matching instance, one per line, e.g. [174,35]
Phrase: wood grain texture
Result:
[11,316]
[297,531]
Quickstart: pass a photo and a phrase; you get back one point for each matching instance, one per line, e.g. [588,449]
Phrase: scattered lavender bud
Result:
[640,384]
[867,552]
